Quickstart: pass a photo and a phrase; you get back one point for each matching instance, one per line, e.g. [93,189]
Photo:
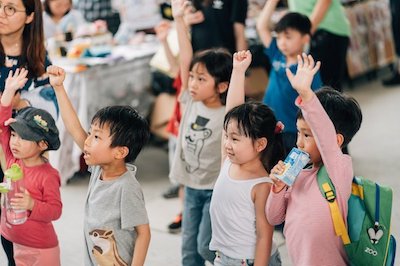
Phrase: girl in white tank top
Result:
[252,145]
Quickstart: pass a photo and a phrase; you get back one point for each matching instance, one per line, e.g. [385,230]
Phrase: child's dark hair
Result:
[344,112]
[256,120]
[127,128]
[218,63]
[295,21]
[47,9]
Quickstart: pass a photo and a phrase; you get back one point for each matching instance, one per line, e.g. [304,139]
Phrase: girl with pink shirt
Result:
[24,140]
[327,122]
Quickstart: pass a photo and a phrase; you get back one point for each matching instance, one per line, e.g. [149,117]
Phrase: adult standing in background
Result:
[395,12]
[218,23]
[93,10]
[330,37]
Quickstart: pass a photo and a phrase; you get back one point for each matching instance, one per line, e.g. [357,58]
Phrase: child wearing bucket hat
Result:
[24,139]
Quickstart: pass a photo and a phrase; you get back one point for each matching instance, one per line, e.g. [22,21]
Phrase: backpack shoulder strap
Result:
[328,192]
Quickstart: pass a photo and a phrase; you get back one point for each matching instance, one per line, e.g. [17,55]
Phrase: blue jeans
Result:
[196,227]
[223,260]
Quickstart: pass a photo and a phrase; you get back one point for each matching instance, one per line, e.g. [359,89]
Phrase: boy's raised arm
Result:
[68,114]
[185,46]
[263,22]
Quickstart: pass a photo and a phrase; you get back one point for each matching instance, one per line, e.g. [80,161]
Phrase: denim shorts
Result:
[223,260]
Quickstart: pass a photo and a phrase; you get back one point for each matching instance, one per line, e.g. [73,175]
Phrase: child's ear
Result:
[261,144]
[306,38]
[43,145]
[339,139]
[222,86]
[121,152]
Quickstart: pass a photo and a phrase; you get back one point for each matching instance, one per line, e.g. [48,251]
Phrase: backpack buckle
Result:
[330,195]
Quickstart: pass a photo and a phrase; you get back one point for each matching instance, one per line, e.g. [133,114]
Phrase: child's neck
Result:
[113,170]
[212,102]
[248,170]
[34,161]
[291,60]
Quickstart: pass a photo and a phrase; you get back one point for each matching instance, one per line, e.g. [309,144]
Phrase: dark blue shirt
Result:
[280,95]
[37,81]
[42,83]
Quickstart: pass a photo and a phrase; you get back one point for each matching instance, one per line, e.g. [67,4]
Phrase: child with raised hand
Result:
[24,140]
[241,234]
[327,122]
[116,227]
[196,165]
[293,32]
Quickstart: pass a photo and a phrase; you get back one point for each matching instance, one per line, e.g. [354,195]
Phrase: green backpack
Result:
[367,240]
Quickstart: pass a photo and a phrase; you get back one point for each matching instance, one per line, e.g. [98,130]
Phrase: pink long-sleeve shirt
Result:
[309,231]
[43,183]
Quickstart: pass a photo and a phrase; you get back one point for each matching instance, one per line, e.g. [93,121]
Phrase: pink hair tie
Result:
[279,127]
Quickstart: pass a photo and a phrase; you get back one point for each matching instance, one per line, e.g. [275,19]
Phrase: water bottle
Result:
[14,177]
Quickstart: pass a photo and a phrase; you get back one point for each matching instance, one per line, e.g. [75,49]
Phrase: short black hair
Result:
[295,21]
[344,112]
[127,128]
[218,62]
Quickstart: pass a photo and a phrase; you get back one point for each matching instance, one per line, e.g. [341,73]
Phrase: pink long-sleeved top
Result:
[309,231]
[43,183]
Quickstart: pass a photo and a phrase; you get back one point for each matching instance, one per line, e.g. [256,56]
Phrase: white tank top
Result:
[233,218]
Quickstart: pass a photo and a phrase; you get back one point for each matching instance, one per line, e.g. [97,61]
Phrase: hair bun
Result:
[279,127]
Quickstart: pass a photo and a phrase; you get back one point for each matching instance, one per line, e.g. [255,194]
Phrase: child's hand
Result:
[22,201]
[302,81]
[16,80]
[162,30]
[56,75]
[241,60]
[278,169]
[178,7]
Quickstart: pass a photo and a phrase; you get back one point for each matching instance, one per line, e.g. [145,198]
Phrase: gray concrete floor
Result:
[375,151]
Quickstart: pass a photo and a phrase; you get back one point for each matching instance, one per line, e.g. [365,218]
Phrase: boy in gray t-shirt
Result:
[116,226]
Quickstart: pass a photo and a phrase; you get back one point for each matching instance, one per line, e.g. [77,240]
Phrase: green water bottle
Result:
[14,176]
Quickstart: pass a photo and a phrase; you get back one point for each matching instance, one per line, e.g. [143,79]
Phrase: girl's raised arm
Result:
[185,46]
[235,97]
[13,82]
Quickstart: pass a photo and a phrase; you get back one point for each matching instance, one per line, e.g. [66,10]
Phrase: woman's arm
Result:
[240,37]
[68,114]
[264,231]
[141,244]
[318,13]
